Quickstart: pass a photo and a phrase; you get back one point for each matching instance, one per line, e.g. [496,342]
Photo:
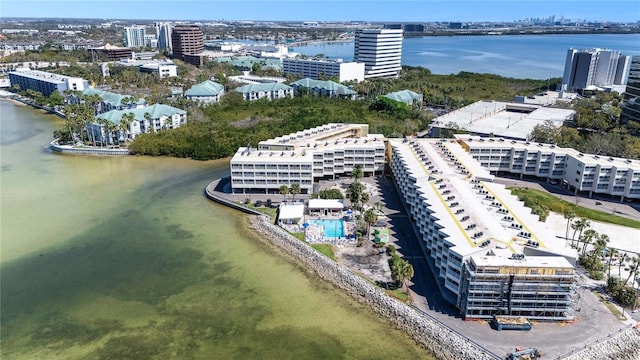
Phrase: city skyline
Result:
[327,10]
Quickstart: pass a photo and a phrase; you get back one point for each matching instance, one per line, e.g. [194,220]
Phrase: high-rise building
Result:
[380,50]
[594,68]
[163,34]
[187,40]
[631,102]
[134,36]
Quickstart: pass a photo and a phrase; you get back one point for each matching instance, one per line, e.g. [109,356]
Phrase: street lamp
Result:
[624,295]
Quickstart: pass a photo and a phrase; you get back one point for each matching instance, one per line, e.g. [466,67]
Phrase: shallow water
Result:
[124,258]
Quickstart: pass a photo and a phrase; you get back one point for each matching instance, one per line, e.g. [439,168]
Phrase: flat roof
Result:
[291,211]
[326,204]
[477,213]
[526,261]
[504,119]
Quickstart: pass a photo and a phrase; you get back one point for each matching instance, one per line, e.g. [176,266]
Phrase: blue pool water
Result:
[332,228]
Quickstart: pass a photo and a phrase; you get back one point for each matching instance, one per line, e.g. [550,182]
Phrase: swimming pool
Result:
[332,228]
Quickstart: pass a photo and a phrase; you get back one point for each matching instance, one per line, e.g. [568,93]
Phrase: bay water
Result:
[516,56]
[124,258]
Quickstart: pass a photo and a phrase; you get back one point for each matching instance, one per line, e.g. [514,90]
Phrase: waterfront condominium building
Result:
[322,68]
[163,34]
[134,36]
[593,68]
[380,50]
[578,172]
[631,102]
[45,82]
[325,152]
[490,255]
[187,41]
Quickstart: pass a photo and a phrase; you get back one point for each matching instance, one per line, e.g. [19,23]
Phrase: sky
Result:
[326,10]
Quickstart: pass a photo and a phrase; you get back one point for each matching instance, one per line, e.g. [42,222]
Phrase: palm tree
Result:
[623,259]
[402,270]
[147,118]
[599,245]
[370,217]
[294,190]
[357,172]
[633,269]
[103,130]
[612,253]
[124,125]
[569,215]
[587,238]
[284,190]
[578,226]
[167,123]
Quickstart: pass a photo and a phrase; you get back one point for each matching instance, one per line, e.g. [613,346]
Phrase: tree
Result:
[587,238]
[578,226]
[623,258]
[633,269]
[284,190]
[294,190]
[370,217]
[124,125]
[357,172]
[354,194]
[147,118]
[546,132]
[569,215]
[401,270]
[612,253]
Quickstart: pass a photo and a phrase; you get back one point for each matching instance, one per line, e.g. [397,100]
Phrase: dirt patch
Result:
[364,260]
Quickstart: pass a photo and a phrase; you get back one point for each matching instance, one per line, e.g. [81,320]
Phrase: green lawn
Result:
[326,250]
[533,197]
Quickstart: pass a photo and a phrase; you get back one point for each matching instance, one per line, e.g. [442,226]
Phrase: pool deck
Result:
[315,233]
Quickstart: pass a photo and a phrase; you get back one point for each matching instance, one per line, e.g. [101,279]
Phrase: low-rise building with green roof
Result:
[146,119]
[205,92]
[267,91]
[109,101]
[406,96]
[324,88]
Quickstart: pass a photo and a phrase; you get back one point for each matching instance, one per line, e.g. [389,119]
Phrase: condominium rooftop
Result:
[326,135]
[479,215]
[329,86]
[42,75]
[502,119]
[602,160]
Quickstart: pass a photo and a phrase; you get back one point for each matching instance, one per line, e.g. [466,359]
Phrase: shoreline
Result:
[438,338]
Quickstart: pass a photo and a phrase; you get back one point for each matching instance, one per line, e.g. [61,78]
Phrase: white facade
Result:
[45,82]
[380,50]
[461,215]
[594,68]
[163,34]
[327,152]
[134,36]
[314,69]
[578,171]
[163,70]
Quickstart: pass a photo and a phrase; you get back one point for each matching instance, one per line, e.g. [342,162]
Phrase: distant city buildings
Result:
[163,34]
[631,102]
[591,69]
[323,68]
[109,53]
[380,50]
[45,82]
[188,43]
[134,36]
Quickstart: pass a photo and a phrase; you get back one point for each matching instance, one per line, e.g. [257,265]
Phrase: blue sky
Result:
[326,10]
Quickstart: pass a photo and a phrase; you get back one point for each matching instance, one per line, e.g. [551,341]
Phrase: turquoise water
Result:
[517,56]
[124,258]
[332,228]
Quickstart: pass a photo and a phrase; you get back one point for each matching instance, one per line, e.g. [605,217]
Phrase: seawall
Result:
[433,336]
[71,150]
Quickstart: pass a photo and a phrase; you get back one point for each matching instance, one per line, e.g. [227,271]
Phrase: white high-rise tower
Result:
[134,36]
[381,52]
